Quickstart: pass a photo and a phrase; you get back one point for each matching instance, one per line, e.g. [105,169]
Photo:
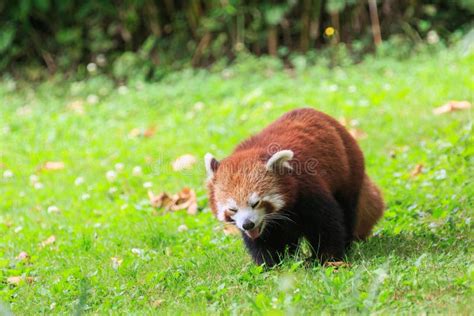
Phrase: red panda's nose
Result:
[248,225]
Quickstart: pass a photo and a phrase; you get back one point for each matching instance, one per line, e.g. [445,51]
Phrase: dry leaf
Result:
[23,256]
[452,106]
[149,132]
[417,170]
[137,132]
[357,133]
[16,280]
[337,264]
[76,107]
[230,229]
[53,165]
[156,303]
[184,162]
[350,126]
[186,199]
[344,121]
[51,240]
[116,262]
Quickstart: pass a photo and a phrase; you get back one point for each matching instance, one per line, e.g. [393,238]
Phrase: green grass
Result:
[420,259]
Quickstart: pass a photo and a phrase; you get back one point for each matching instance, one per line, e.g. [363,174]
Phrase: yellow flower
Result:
[329,31]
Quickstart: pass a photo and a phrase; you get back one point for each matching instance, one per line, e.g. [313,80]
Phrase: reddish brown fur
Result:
[313,137]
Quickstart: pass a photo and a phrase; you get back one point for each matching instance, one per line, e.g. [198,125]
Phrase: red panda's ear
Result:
[279,160]
[211,165]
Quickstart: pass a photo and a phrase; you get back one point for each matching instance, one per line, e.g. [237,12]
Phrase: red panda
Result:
[301,177]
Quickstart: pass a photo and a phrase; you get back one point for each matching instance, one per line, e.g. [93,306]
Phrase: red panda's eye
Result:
[254,205]
[233,210]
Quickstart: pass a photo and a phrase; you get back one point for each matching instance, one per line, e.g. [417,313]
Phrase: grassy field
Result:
[113,253]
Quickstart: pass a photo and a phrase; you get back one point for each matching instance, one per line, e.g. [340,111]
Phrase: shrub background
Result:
[147,38]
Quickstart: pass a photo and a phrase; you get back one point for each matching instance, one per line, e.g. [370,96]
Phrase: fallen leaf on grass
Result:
[52,165]
[337,264]
[116,262]
[156,303]
[51,240]
[160,200]
[417,170]
[76,106]
[357,133]
[350,125]
[16,280]
[452,106]
[186,199]
[149,132]
[23,256]
[230,229]
[184,162]
[137,132]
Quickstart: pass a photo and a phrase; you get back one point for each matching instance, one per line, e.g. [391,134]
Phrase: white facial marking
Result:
[222,207]
[254,198]
[280,158]
[277,200]
[246,213]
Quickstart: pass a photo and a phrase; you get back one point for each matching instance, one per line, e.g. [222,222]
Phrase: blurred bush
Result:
[146,38]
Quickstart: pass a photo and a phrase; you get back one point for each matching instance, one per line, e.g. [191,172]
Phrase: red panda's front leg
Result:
[323,226]
[274,243]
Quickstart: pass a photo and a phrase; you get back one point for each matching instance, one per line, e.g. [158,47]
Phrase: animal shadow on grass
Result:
[404,245]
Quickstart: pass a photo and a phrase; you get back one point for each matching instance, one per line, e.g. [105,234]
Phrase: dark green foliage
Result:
[144,38]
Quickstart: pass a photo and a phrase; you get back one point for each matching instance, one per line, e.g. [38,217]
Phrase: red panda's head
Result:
[248,188]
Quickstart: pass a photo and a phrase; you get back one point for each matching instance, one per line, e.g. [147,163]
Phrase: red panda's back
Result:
[323,149]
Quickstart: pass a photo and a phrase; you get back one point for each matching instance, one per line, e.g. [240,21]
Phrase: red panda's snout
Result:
[246,191]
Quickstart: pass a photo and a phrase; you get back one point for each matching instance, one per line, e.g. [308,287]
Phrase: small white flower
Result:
[137,171]
[79,181]
[333,88]
[91,67]
[432,37]
[112,190]
[34,179]
[138,251]
[18,229]
[85,196]
[6,129]
[147,185]
[119,166]
[38,185]
[7,174]
[267,105]
[101,60]
[352,89]
[92,99]
[122,90]
[198,106]
[111,175]
[182,228]
[116,262]
[53,209]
